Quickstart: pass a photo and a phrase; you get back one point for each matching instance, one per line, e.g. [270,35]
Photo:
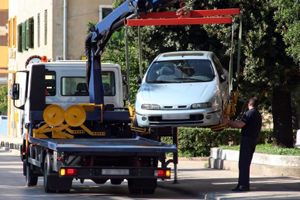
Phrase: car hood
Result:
[176,94]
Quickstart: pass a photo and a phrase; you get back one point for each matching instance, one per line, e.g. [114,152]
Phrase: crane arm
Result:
[101,33]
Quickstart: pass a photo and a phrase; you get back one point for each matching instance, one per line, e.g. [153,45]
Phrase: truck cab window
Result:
[108,80]
[50,83]
[74,86]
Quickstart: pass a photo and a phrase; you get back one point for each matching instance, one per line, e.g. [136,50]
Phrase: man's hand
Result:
[225,121]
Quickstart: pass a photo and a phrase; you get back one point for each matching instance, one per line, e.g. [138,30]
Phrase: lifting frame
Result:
[192,17]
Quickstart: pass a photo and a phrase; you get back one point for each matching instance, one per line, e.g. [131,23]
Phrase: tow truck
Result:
[67,136]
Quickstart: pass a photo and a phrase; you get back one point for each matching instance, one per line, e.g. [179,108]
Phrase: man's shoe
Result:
[241,188]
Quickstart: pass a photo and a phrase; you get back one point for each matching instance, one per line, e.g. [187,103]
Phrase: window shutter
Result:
[23,36]
[31,33]
[27,35]
[20,38]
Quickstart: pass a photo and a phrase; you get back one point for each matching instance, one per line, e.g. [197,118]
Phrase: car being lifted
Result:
[185,88]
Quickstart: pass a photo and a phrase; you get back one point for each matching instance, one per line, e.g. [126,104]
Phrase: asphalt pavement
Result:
[195,181]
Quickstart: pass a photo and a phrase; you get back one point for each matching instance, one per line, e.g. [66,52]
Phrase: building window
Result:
[104,10]
[50,83]
[46,25]
[38,30]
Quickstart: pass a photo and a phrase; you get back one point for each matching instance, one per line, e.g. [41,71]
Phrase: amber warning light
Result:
[68,172]
[163,173]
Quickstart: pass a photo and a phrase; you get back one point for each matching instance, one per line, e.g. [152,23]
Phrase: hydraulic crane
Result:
[101,32]
[100,35]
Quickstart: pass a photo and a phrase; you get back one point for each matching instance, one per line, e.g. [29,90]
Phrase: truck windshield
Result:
[180,71]
[76,86]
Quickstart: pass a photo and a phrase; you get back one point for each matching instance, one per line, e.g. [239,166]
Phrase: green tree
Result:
[115,53]
[266,66]
[287,16]
[3,99]
[267,69]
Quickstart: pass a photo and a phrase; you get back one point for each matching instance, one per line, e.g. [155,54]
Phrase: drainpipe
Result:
[65,30]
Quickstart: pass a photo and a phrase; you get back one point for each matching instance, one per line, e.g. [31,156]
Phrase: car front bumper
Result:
[175,118]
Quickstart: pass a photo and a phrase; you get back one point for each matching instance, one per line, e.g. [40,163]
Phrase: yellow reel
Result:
[53,115]
[75,115]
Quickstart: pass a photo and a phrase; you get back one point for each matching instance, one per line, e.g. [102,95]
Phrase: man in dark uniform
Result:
[250,123]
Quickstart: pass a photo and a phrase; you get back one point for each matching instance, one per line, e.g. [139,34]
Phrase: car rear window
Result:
[180,71]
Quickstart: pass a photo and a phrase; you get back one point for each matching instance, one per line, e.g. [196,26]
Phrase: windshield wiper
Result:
[160,81]
[191,80]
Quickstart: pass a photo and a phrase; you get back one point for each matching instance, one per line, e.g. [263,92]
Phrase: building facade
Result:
[52,28]
[3,40]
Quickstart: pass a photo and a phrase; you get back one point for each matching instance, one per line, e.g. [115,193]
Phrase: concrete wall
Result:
[3,34]
[262,164]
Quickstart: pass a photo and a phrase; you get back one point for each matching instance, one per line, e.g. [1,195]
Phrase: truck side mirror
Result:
[15,91]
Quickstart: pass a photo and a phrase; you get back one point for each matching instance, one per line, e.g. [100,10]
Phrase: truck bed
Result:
[103,145]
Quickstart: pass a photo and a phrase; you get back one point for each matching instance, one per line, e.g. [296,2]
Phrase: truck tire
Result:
[31,179]
[142,186]
[24,168]
[50,180]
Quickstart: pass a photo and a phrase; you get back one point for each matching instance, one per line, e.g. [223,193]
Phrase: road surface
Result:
[195,182]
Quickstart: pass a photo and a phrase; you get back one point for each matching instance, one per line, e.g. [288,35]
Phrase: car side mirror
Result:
[138,80]
[15,91]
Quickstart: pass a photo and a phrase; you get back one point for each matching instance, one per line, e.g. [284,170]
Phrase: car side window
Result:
[218,65]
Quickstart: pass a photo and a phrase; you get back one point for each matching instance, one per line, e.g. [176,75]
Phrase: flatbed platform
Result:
[103,145]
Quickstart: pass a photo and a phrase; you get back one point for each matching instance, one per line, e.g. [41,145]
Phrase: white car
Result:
[186,88]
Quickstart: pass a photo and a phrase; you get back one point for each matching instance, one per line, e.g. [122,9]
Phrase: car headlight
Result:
[150,107]
[201,105]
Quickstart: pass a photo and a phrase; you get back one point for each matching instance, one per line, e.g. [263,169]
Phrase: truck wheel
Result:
[142,186]
[31,179]
[50,180]
[24,168]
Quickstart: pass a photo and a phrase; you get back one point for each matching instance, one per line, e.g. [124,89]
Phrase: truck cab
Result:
[62,83]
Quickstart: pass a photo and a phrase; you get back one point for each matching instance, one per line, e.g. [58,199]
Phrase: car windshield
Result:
[180,71]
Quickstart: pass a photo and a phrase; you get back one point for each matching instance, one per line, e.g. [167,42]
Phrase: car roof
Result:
[180,55]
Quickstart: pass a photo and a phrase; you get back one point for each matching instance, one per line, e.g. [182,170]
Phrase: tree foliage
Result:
[268,70]
[287,15]
[3,99]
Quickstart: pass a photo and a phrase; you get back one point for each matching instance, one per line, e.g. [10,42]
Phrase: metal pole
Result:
[239,46]
[65,30]
[140,52]
[231,58]
[127,63]
[175,155]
